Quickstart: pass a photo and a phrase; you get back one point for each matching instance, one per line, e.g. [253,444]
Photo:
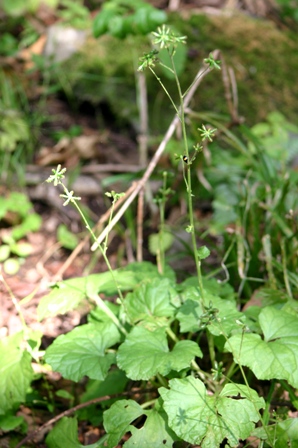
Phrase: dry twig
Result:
[80,406]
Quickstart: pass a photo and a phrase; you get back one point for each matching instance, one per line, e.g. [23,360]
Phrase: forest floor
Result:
[112,149]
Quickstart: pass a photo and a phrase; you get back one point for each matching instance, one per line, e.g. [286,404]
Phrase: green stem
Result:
[162,380]
[232,369]
[162,223]
[210,340]
[101,248]
[148,404]
[165,90]
[189,188]
[266,413]
[268,258]
[172,335]
[101,304]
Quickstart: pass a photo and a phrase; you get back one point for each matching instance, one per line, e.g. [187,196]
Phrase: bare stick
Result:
[230,87]
[234,91]
[139,185]
[143,111]
[140,219]
[80,406]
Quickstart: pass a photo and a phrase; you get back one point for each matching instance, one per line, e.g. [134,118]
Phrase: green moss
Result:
[263,57]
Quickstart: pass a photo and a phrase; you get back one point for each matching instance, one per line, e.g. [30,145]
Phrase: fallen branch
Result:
[80,406]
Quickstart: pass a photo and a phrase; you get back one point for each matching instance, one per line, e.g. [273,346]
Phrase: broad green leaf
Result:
[277,355]
[82,351]
[69,293]
[190,313]
[16,372]
[227,319]
[200,419]
[211,286]
[116,26]
[190,310]
[118,418]
[60,300]
[141,20]
[101,22]
[99,315]
[252,316]
[65,434]
[150,300]
[155,433]
[106,282]
[148,270]
[146,353]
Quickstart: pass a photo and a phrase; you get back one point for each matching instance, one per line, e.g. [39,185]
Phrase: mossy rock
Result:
[102,72]
[264,60]
[263,57]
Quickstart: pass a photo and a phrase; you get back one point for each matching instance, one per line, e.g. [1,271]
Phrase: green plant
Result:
[18,8]
[289,9]
[254,198]
[74,14]
[14,127]
[123,18]
[16,212]
[19,128]
[8,44]
[170,364]
[73,131]
[160,242]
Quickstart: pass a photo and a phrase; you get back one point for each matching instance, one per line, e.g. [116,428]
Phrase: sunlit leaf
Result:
[118,418]
[82,351]
[275,356]
[207,420]
[65,434]
[151,300]
[16,372]
[146,353]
